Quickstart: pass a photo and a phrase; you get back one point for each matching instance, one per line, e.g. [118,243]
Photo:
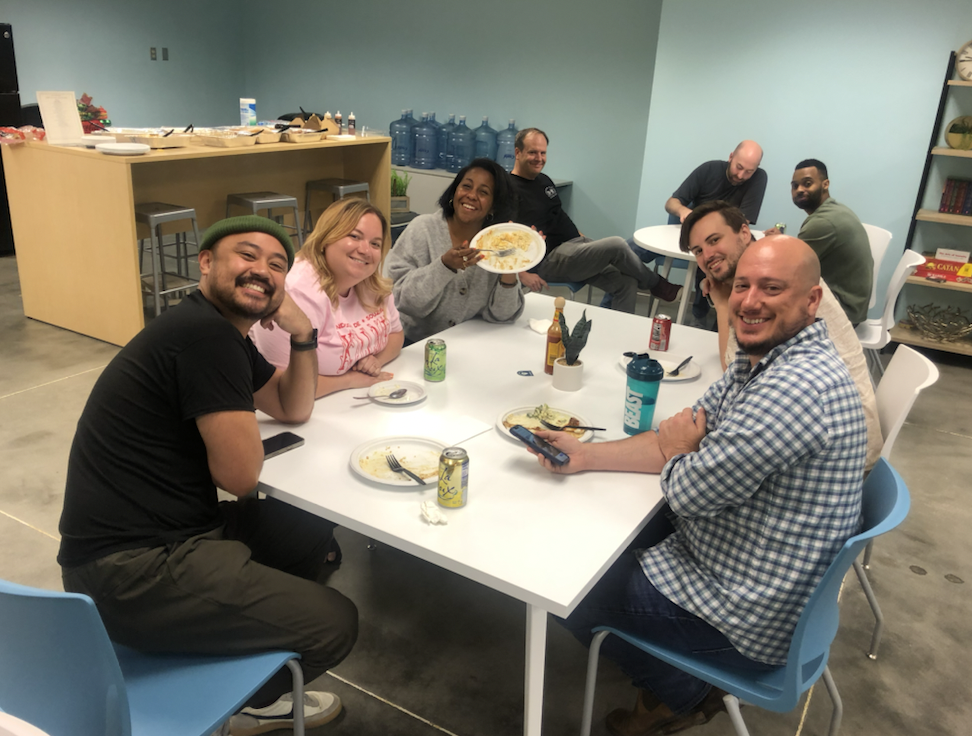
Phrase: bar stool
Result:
[339,188]
[154,215]
[269,201]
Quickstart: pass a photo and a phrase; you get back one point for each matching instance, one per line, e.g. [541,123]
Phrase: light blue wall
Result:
[579,70]
[854,83]
[102,47]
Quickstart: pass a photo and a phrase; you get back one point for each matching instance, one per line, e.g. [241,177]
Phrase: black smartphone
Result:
[273,446]
[542,446]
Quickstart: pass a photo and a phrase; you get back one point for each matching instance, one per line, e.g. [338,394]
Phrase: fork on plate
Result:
[502,253]
[397,468]
[554,427]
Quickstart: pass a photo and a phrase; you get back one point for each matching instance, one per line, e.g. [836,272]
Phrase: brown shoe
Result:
[711,705]
[648,717]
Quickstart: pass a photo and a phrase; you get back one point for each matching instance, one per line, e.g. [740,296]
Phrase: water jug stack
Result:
[443,141]
[506,146]
[485,141]
[424,144]
[462,145]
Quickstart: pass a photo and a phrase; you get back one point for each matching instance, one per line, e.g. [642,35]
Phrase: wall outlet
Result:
[165,54]
[152,53]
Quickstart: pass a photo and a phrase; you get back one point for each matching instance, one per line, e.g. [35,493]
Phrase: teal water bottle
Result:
[641,392]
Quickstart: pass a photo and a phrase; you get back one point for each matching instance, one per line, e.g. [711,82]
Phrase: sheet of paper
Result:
[62,121]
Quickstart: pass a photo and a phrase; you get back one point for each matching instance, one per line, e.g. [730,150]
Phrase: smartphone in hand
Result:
[273,446]
[540,445]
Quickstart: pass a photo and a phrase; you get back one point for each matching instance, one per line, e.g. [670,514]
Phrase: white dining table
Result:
[663,240]
[519,519]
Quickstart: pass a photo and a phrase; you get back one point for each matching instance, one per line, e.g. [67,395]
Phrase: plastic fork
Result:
[502,253]
[554,427]
[397,468]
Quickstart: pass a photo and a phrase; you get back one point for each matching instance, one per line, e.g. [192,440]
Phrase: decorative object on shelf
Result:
[399,191]
[93,118]
[963,62]
[568,370]
[943,324]
[958,133]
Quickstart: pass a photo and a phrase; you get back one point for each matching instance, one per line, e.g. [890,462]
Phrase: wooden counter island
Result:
[73,216]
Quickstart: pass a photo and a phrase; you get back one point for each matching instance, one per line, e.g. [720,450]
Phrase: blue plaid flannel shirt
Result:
[770,497]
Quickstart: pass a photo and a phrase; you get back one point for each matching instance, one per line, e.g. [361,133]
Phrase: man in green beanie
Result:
[171,418]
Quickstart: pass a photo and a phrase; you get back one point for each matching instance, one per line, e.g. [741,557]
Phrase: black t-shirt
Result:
[540,207]
[137,473]
[709,182]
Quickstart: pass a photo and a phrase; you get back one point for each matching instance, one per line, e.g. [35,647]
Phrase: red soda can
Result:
[661,332]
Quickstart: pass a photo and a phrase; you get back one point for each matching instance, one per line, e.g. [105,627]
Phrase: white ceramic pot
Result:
[567,377]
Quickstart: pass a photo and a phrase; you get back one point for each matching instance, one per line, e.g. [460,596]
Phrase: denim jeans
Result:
[646,256]
[625,599]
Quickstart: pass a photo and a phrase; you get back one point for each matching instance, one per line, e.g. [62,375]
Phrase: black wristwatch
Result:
[308,345]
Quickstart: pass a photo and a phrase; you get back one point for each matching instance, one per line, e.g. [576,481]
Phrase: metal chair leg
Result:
[732,708]
[298,675]
[835,697]
[875,609]
[866,561]
[591,682]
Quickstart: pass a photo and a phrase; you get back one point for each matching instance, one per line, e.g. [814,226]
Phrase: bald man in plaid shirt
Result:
[763,479]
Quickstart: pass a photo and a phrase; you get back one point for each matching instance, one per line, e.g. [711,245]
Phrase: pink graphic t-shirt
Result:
[344,335]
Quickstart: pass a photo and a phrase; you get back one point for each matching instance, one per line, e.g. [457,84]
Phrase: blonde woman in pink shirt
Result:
[336,280]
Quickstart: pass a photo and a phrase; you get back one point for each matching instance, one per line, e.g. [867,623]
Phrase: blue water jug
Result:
[641,392]
[485,141]
[424,143]
[401,134]
[412,122]
[461,142]
[443,141]
[506,146]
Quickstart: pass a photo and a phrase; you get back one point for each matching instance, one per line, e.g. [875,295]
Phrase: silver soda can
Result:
[661,332]
[453,477]
[435,360]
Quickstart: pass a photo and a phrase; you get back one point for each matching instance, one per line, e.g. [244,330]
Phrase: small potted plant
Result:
[399,191]
[569,369]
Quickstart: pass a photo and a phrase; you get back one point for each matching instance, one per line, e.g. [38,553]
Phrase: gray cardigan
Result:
[431,298]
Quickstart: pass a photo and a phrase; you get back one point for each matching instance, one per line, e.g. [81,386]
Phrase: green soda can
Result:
[435,360]
[781,226]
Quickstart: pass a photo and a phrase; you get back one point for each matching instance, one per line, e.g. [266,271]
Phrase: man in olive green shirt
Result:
[837,237]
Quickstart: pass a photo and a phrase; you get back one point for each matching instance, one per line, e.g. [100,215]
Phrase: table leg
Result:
[536,652]
[686,291]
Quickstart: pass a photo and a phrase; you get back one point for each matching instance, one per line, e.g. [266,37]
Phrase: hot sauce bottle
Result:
[555,342]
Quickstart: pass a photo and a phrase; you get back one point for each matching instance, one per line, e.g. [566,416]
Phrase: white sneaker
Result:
[319,708]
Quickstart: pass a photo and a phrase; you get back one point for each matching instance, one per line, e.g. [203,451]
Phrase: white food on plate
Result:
[510,239]
[424,462]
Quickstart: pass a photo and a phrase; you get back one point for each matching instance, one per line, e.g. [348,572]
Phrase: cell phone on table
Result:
[273,446]
[540,445]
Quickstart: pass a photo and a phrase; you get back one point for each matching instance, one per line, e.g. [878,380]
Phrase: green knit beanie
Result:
[249,224]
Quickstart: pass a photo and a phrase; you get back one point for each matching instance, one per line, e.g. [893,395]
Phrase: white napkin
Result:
[540,325]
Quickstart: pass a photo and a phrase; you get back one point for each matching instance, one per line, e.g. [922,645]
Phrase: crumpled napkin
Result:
[540,325]
[432,514]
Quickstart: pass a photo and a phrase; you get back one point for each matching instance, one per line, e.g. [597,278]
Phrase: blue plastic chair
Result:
[574,287]
[885,505]
[62,674]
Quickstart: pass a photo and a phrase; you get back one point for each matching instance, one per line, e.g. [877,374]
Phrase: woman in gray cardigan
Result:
[436,281]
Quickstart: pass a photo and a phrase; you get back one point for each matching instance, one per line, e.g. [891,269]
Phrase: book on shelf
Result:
[940,269]
[956,197]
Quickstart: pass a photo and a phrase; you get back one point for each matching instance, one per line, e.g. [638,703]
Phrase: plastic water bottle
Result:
[443,141]
[485,141]
[412,122]
[424,138]
[401,135]
[462,143]
[641,392]
[506,146]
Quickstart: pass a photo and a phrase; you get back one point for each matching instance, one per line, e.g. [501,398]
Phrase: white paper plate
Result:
[122,149]
[492,263]
[418,454]
[534,424]
[379,392]
[669,363]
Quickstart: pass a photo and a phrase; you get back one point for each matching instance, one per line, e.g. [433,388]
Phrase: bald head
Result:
[775,294]
[743,162]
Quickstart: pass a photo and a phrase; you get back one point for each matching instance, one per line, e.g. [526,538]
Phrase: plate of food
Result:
[381,392]
[530,416]
[669,363]
[528,246]
[418,454]
[122,149]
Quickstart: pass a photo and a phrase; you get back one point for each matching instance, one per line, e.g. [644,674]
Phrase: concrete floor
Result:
[439,654]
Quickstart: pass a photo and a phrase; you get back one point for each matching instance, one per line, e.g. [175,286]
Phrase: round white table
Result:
[663,240]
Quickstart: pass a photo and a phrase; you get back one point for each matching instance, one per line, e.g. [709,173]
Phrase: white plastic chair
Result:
[908,374]
[874,334]
[880,239]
